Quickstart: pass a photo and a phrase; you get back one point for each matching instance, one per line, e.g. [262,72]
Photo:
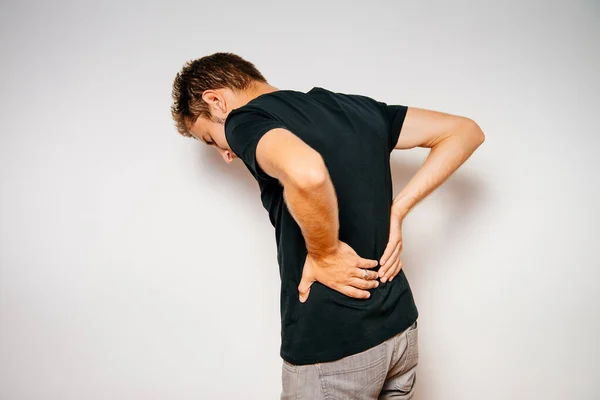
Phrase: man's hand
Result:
[390,260]
[452,139]
[343,271]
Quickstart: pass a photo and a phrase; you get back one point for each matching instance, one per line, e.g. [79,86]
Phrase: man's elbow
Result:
[474,131]
[467,130]
[309,174]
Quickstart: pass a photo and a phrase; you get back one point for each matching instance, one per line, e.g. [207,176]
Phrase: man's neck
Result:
[257,89]
[241,98]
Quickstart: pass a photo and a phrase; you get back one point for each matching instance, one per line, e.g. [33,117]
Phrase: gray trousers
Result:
[385,371]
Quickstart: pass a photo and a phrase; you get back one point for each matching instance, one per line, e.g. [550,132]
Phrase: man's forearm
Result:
[443,159]
[314,206]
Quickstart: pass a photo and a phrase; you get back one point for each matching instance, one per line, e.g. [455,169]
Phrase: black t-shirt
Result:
[355,135]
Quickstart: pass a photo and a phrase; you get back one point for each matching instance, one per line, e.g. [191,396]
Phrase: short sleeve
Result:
[391,116]
[243,129]
[395,118]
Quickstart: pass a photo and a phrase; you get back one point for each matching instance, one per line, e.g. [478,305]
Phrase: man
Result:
[322,162]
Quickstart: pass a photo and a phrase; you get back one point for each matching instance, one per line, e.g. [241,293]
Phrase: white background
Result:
[136,264]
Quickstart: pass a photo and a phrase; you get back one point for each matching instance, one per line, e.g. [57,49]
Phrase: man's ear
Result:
[215,101]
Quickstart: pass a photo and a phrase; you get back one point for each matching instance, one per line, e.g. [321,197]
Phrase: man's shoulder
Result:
[266,104]
[278,104]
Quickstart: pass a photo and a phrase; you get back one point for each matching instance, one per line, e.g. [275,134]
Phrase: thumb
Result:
[306,281]
[304,288]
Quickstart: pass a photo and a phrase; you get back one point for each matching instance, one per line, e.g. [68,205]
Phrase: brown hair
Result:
[219,70]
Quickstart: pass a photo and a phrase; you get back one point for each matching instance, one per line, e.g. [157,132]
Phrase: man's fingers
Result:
[363,283]
[385,266]
[391,270]
[391,246]
[356,293]
[366,263]
[371,275]
[397,271]
[360,273]
[394,256]
[395,253]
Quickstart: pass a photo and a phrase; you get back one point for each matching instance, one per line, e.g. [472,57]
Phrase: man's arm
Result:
[308,190]
[311,199]
[452,139]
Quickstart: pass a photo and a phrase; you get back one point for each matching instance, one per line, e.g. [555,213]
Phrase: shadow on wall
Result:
[211,165]
[449,210]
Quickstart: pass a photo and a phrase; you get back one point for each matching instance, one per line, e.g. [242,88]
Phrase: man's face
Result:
[213,134]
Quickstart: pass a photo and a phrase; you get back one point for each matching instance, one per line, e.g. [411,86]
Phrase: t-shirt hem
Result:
[380,336]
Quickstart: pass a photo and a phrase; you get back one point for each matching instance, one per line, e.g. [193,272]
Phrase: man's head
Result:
[207,89]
